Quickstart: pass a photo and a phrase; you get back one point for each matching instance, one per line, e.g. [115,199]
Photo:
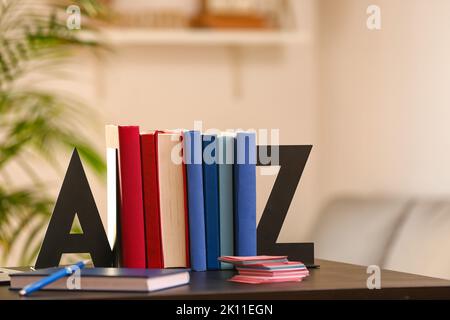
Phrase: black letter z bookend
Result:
[292,161]
[75,199]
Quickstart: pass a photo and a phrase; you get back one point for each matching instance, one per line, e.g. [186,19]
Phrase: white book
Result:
[112,147]
[172,200]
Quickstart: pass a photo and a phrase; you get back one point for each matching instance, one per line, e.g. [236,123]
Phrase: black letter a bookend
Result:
[75,199]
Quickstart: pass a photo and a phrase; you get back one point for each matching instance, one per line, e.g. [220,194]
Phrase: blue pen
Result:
[61,273]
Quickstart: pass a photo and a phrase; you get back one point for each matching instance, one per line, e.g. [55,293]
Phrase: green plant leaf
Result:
[34,40]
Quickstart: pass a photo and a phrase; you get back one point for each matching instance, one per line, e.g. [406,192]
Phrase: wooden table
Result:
[332,280]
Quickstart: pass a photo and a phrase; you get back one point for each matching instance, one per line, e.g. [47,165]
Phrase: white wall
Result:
[384,98]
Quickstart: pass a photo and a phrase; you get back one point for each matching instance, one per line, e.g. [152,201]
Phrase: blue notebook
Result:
[245,194]
[194,177]
[109,279]
[211,194]
[226,160]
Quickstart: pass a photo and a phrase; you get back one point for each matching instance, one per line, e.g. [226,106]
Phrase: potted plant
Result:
[37,123]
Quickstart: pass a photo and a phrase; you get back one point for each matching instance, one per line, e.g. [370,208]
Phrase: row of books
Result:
[181,198]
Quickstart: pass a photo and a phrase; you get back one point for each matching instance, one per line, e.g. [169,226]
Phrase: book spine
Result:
[151,200]
[132,211]
[186,211]
[211,194]
[112,191]
[196,211]
[245,194]
[172,200]
[226,159]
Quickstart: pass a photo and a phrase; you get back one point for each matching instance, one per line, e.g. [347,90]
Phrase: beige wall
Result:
[385,98]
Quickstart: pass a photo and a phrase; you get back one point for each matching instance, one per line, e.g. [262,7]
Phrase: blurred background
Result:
[374,103]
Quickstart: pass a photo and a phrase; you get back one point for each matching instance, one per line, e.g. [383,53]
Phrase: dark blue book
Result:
[245,194]
[108,279]
[211,194]
[194,176]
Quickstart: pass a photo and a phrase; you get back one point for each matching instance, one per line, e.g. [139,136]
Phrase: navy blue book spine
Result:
[196,212]
[211,193]
[245,194]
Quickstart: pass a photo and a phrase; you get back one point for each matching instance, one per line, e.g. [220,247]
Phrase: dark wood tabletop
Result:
[333,280]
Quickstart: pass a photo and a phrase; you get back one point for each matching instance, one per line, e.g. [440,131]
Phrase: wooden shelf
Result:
[146,37]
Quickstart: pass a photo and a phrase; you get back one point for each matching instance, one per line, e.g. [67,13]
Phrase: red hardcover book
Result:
[132,210]
[149,156]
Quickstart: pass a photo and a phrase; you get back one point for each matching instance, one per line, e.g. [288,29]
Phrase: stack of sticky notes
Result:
[266,269]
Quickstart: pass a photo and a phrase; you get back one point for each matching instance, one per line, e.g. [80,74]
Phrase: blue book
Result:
[245,194]
[194,177]
[211,194]
[226,160]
